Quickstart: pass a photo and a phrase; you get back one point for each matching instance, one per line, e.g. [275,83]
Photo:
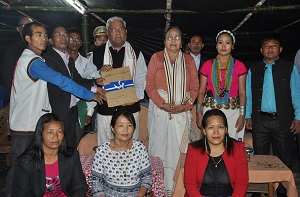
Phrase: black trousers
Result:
[298,144]
[20,141]
[73,132]
[266,133]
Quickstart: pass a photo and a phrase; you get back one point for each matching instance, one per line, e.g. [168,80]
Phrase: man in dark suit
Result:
[65,104]
[11,56]
[196,45]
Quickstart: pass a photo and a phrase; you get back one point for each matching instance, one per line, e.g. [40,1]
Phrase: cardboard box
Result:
[119,87]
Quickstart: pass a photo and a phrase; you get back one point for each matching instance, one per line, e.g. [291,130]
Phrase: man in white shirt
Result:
[196,45]
[85,109]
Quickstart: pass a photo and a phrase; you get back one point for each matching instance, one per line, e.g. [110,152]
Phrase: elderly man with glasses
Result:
[116,53]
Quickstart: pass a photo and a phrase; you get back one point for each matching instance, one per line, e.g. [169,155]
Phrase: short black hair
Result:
[74,30]
[27,30]
[128,115]
[50,35]
[196,35]
[267,38]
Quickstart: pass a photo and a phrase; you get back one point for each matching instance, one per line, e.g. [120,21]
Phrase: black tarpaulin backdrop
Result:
[146,21]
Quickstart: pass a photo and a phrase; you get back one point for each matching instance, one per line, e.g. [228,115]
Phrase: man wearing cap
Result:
[116,53]
[100,36]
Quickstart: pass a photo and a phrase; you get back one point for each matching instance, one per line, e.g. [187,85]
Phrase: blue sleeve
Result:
[295,91]
[248,96]
[40,70]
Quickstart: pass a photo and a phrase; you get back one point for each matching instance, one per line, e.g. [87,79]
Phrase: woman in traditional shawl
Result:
[172,85]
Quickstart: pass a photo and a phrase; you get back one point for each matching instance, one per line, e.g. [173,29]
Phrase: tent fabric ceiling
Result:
[146,21]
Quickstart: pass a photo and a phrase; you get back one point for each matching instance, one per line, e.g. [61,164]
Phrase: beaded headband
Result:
[226,31]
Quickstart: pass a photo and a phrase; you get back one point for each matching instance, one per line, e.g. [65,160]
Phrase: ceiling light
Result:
[77,5]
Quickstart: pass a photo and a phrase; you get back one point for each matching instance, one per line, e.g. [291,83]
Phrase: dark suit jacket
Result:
[202,60]
[59,99]
[28,180]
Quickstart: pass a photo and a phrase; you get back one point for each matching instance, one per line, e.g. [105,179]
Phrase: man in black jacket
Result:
[116,53]
[62,103]
[273,108]
[196,45]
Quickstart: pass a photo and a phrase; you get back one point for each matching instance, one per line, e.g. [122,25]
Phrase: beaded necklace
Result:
[222,93]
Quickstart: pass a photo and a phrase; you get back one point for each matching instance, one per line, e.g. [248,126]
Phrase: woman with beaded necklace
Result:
[223,86]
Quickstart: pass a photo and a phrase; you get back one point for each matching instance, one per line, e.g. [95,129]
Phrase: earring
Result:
[205,143]
[226,141]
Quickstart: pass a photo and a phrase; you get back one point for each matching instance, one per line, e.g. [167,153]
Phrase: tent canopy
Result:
[147,20]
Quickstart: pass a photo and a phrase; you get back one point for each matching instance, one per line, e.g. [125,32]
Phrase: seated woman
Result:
[121,166]
[216,165]
[48,167]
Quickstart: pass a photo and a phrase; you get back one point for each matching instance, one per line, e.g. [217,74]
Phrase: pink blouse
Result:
[53,187]
[238,69]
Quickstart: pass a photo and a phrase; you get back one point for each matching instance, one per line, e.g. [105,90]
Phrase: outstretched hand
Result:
[100,95]
[100,81]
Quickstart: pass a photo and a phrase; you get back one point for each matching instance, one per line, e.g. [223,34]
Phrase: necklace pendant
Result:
[216,166]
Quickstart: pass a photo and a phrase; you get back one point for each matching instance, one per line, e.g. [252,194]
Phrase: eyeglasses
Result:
[75,39]
[114,30]
[176,38]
